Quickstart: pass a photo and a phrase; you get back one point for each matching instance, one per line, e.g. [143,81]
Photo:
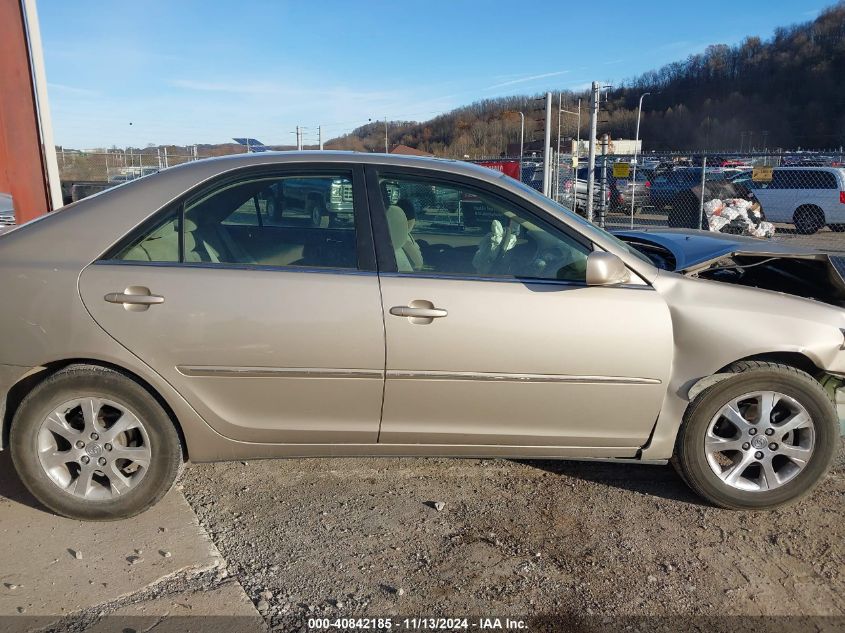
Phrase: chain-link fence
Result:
[85,173]
[799,196]
[771,196]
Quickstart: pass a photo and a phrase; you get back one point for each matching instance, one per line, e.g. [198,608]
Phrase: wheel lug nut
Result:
[770,431]
[80,444]
[758,455]
[108,447]
[746,446]
[95,437]
[773,446]
[102,461]
[85,459]
[752,431]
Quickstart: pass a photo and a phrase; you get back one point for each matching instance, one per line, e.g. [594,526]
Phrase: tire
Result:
[316,213]
[130,488]
[691,458]
[808,219]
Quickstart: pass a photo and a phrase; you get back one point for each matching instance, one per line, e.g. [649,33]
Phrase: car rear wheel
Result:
[91,443]
[760,439]
[808,220]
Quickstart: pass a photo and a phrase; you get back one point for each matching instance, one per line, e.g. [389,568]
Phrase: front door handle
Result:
[419,313]
[135,298]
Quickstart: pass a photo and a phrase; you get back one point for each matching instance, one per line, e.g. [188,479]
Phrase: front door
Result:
[493,336]
[267,323]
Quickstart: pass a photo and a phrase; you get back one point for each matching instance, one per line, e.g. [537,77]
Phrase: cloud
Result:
[522,80]
[232,87]
[72,90]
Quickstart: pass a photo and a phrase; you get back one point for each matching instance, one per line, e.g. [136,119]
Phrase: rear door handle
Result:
[418,313]
[135,298]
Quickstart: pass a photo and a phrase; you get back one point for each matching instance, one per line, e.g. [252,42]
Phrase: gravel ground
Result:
[548,540]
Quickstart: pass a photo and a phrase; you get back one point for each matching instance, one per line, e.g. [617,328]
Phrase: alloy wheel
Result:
[760,441]
[93,448]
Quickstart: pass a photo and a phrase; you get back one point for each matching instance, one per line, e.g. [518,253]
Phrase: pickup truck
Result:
[324,201]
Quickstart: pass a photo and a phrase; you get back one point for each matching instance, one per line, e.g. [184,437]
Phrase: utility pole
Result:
[591,167]
[547,148]
[298,138]
[386,148]
[605,142]
[320,136]
[575,153]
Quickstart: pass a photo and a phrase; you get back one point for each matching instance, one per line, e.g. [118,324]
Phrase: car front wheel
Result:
[91,443]
[759,439]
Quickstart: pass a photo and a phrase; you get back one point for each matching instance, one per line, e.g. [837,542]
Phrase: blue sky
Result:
[202,71]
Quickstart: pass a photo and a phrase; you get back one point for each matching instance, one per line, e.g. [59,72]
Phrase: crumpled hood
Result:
[765,264]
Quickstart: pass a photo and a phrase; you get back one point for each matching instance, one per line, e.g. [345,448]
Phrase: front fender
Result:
[715,324]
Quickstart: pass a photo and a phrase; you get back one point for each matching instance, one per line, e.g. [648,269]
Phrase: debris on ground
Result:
[76,554]
[613,538]
[737,217]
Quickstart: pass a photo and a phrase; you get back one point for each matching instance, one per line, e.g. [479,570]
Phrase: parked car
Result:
[666,186]
[682,192]
[173,332]
[809,198]
[7,212]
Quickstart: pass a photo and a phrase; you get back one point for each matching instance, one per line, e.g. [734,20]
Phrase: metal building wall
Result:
[23,166]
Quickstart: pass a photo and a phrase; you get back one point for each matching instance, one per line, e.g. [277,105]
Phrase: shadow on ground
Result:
[12,488]
[653,481]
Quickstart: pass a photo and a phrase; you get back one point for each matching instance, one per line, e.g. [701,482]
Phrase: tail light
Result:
[842,197]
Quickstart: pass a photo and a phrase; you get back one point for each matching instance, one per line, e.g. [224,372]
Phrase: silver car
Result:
[175,318]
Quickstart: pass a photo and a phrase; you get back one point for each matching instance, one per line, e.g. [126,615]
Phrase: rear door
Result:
[269,326]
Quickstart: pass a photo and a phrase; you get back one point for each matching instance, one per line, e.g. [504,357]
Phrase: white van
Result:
[809,197]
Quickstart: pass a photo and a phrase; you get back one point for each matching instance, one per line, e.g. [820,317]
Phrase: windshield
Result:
[536,196]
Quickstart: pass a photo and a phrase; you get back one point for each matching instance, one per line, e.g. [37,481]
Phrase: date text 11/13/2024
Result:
[417,624]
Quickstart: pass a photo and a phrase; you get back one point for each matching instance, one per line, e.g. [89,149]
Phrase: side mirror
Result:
[606,269]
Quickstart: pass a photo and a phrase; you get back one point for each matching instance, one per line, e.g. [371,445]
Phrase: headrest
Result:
[397,225]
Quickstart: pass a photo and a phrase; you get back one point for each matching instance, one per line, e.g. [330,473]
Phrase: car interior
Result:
[232,225]
[458,232]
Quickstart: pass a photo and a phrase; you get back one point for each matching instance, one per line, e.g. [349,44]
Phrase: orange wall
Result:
[22,170]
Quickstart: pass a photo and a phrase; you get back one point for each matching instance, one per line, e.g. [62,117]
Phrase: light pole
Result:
[636,144]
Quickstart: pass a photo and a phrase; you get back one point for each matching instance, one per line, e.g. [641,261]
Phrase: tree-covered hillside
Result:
[785,92]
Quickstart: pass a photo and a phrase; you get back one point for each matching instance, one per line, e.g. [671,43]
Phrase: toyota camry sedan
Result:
[225,309]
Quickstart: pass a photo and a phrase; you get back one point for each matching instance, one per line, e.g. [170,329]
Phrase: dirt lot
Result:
[545,540]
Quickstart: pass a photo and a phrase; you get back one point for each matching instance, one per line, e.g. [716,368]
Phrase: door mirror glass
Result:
[606,269]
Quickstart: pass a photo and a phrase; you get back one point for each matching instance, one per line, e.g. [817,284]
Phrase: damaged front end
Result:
[812,275]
